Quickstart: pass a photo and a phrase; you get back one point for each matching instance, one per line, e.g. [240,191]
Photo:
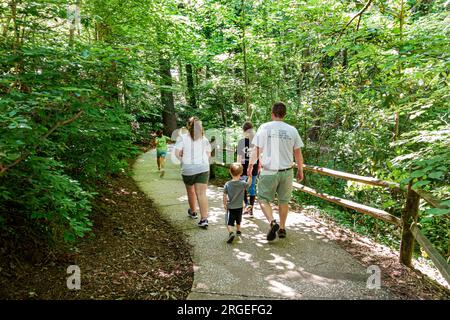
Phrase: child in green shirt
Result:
[161,150]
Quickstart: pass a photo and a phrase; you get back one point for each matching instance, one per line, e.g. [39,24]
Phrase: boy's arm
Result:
[225,201]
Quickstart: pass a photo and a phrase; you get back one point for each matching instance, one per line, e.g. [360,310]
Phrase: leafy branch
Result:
[359,14]
[4,168]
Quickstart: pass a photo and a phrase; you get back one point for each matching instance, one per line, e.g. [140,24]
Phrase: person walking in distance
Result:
[161,150]
[243,157]
[277,143]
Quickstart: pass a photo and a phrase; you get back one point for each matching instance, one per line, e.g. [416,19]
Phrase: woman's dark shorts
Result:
[202,177]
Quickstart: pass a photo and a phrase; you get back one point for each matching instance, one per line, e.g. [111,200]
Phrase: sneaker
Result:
[161,175]
[272,234]
[282,233]
[192,214]
[238,233]
[203,223]
[230,237]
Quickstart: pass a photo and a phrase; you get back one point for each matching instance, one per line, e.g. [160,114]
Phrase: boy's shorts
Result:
[279,182]
[232,216]
[202,177]
[161,153]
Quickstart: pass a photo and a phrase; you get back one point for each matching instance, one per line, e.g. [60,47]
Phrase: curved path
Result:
[305,265]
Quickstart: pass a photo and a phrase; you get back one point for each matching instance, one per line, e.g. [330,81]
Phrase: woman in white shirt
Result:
[194,151]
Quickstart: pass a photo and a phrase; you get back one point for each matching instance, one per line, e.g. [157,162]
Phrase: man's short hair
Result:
[236,169]
[279,109]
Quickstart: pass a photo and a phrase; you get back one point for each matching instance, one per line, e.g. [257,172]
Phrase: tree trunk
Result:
[396,123]
[190,86]
[167,101]
[409,216]
[344,58]
[244,55]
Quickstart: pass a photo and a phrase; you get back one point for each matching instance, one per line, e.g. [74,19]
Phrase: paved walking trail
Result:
[305,265]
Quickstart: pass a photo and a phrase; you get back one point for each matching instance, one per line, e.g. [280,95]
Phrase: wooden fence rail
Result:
[437,259]
[374,212]
[408,221]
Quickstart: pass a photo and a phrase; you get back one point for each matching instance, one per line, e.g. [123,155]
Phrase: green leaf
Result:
[419,184]
[13,156]
[438,211]
[418,173]
[436,174]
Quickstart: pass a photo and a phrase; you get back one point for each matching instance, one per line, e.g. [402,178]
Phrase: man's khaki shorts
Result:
[279,183]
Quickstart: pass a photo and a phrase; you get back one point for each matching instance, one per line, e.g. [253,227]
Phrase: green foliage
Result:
[345,86]
[368,95]
[66,109]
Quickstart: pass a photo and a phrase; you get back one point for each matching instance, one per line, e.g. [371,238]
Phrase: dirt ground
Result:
[133,254]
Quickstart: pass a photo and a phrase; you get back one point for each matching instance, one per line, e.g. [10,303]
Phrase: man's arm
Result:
[254,155]
[260,164]
[299,160]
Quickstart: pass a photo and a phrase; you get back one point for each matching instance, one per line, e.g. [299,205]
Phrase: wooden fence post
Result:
[409,216]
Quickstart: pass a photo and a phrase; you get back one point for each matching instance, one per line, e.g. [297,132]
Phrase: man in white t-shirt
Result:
[277,143]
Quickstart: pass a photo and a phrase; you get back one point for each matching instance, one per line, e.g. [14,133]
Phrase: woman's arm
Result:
[249,180]
[208,148]
[179,153]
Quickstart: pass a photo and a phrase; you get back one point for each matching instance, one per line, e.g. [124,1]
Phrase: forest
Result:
[84,84]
